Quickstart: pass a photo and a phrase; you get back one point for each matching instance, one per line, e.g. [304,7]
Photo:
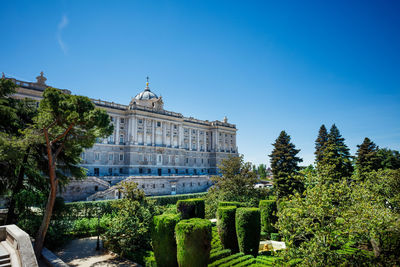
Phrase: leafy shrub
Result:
[237,261]
[191,208]
[193,239]
[248,228]
[129,232]
[268,218]
[226,227]
[163,239]
[275,236]
[149,260]
[173,199]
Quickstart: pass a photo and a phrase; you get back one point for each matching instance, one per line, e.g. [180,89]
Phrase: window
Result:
[154,185]
[111,118]
[183,184]
[191,184]
[176,160]
[111,139]
[159,159]
[121,157]
[202,161]
[96,188]
[121,138]
[96,156]
[110,156]
[187,171]
[140,170]
[195,160]
[140,121]
[169,170]
[198,183]
[148,170]
[110,171]
[83,155]
[162,185]
[194,131]
[187,160]
[158,124]
[122,120]
[121,170]
[175,127]
[121,128]
[208,161]
[176,170]
[143,186]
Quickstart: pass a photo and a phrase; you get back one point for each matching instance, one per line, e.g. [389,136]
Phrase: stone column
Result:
[204,141]
[190,139]
[153,133]
[129,130]
[135,129]
[180,133]
[171,136]
[117,130]
[145,131]
[198,140]
[164,133]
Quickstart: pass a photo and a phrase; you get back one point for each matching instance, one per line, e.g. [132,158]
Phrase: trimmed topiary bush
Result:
[231,203]
[268,218]
[191,208]
[163,237]
[248,228]
[226,227]
[193,240]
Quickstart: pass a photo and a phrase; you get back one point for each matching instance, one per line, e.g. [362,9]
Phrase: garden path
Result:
[82,252]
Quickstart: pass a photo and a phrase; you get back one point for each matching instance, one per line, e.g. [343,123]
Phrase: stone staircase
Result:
[5,260]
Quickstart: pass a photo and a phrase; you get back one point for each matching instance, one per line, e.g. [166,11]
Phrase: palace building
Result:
[149,140]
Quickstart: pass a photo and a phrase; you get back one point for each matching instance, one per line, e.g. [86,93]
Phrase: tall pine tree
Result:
[335,162]
[284,164]
[367,158]
[320,143]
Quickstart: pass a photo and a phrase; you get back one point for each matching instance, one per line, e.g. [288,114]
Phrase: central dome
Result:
[146,95]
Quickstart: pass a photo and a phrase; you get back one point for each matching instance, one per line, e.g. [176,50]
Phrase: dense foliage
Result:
[248,229]
[191,208]
[227,227]
[268,212]
[193,239]
[236,183]
[163,239]
[129,232]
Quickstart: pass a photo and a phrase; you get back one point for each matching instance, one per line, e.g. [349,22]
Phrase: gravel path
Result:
[82,252]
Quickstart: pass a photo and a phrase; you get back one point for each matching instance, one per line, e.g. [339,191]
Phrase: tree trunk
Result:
[11,218]
[39,241]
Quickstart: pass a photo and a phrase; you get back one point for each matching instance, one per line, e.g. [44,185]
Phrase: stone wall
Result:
[78,190]
[160,185]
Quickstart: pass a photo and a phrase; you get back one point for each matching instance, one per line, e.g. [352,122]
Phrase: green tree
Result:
[262,171]
[390,159]
[236,183]
[367,158]
[129,234]
[320,143]
[336,161]
[64,123]
[284,164]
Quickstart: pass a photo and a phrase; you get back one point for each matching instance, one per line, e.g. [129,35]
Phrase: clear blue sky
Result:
[266,65]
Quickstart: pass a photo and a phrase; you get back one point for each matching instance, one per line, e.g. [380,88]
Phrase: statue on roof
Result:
[41,80]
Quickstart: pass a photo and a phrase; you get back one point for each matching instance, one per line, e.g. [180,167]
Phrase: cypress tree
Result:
[367,158]
[320,143]
[284,164]
[335,162]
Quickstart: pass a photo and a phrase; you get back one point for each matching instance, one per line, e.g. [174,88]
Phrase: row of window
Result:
[183,185]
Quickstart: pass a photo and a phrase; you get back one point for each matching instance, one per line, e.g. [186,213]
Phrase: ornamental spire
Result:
[147,84]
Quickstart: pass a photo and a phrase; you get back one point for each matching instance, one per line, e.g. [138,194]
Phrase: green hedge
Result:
[231,203]
[163,239]
[193,239]
[91,209]
[268,212]
[248,228]
[226,227]
[191,208]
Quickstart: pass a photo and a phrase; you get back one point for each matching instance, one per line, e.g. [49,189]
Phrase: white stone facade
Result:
[149,140]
